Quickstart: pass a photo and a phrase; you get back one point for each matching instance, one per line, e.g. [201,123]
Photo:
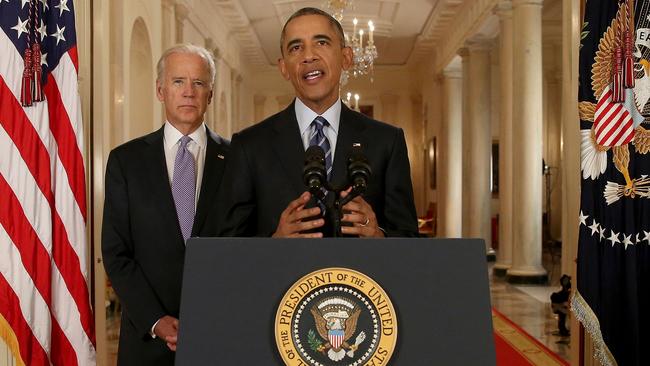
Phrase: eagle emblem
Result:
[336,322]
[595,142]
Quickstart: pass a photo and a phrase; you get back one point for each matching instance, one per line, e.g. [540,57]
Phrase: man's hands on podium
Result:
[360,214]
[296,219]
[167,330]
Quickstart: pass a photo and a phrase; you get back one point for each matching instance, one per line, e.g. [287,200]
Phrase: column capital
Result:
[181,11]
[503,9]
[451,73]
[516,3]
[479,44]
[168,3]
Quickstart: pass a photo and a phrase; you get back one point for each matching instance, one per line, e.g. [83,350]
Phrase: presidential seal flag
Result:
[45,312]
[612,300]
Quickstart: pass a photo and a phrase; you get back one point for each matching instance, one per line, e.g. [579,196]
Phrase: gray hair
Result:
[189,49]
[338,29]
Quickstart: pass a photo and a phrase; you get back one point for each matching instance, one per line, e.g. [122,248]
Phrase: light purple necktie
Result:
[184,187]
[319,138]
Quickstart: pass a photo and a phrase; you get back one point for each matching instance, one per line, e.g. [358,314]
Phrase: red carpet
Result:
[515,347]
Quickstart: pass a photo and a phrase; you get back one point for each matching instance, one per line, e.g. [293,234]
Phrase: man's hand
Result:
[167,330]
[363,218]
[292,221]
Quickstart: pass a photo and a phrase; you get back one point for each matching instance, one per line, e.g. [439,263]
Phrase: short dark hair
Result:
[313,11]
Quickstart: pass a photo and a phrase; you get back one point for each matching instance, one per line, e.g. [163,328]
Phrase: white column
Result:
[466,106]
[480,145]
[504,254]
[451,167]
[527,157]
[181,12]
[258,103]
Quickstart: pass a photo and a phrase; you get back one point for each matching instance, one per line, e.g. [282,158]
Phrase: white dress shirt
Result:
[196,147]
[306,116]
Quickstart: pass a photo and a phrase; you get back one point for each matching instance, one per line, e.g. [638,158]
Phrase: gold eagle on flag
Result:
[616,116]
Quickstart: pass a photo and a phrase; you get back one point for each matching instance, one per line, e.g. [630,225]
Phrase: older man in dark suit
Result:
[265,194]
[159,191]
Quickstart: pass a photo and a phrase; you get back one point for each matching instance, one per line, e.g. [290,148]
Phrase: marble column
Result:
[450,210]
[181,12]
[504,253]
[258,103]
[168,23]
[480,145]
[466,106]
[527,153]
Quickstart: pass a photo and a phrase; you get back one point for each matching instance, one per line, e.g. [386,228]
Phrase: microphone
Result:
[314,174]
[359,171]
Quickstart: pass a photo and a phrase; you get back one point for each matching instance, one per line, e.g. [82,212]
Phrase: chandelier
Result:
[364,56]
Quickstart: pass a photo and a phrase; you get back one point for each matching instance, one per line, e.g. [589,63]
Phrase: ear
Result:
[210,97]
[348,57]
[283,68]
[159,91]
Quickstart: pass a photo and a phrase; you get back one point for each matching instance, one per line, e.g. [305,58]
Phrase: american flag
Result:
[45,312]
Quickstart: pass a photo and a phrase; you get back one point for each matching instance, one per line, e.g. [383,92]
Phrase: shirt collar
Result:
[305,116]
[172,135]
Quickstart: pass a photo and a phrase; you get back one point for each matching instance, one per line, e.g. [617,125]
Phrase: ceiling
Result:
[397,23]
[406,30]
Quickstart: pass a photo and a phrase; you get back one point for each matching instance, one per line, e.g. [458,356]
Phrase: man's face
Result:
[313,58]
[185,90]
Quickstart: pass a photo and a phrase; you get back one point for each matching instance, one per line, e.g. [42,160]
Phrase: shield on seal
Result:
[335,337]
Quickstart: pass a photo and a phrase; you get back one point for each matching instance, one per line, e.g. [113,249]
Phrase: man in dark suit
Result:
[265,194]
[159,191]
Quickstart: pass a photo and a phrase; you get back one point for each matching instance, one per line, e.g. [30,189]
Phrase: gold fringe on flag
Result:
[590,322]
[7,334]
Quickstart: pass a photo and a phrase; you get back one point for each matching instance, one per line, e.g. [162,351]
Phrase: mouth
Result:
[313,75]
[187,106]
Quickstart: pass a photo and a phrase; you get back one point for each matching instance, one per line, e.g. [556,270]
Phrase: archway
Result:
[141,82]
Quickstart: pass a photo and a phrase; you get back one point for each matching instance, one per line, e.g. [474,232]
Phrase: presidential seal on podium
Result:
[336,316]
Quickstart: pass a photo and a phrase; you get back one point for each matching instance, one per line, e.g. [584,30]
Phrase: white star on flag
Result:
[63,6]
[44,59]
[42,31]
[601,233]
[614,238]
[21,27]
[594,227]
[45,4]
[583,218]
[627,241]
[646,237]
[23,3]
[58,34]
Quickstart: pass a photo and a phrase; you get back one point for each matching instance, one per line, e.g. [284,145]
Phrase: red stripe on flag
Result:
[35,258]
[31,350]
[69,152]
[74,56]
[36,262]
[602,137]
[36,157]
[602,123]
[625,130]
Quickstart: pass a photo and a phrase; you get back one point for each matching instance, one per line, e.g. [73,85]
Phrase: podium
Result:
[233,287]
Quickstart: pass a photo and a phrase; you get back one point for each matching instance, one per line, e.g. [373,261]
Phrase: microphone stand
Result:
[337,207]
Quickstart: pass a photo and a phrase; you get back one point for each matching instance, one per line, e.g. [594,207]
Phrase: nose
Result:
[188,90]
[309,55]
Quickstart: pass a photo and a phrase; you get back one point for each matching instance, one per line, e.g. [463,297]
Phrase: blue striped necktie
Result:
[184,187]
[319,138]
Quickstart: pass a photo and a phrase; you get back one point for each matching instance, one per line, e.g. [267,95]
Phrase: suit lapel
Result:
[212,172]
[289,148]
[350,132]
[159,180]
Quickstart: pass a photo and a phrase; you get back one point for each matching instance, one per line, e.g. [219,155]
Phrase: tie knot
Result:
[184,141]
[319,122]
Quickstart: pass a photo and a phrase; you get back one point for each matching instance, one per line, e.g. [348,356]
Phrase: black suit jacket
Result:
[142,244]
[264,173]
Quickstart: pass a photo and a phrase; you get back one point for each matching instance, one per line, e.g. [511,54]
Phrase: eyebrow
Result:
[317,37]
